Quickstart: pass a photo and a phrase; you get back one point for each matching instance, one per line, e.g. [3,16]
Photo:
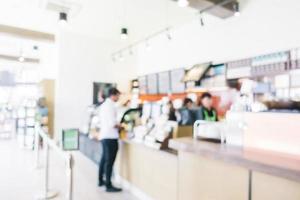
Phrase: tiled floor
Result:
[20,181]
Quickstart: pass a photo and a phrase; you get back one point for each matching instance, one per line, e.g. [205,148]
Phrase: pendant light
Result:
[201,19]
[236,7]
[124,33]
[63,18]
[121,58]
[183,3]
[131,51]
[169,36]
[113,58]
[148,47]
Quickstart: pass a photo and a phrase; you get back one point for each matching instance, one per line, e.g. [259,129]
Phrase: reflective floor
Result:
[20,180]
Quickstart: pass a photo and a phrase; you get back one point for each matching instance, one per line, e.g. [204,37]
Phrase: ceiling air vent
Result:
[219,8]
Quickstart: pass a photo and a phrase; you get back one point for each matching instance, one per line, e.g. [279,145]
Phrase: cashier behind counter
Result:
[205,112]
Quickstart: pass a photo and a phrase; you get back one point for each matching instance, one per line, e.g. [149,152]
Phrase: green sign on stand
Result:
[70,139]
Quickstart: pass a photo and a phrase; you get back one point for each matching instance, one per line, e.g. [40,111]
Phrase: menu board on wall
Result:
[177,86]
[164,82]
[152,82]
[143,84]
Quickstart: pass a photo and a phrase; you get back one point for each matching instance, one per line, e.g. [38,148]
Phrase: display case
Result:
[25,123]
[130,119]
[6,121]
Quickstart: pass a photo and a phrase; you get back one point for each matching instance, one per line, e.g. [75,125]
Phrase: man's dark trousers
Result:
[109,153]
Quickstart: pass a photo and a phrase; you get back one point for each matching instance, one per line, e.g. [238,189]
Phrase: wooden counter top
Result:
[277,164]
[168,151]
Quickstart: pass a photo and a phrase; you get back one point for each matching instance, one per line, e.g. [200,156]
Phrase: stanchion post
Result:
[70,164]
[46,170]
[46,194]
[37,146]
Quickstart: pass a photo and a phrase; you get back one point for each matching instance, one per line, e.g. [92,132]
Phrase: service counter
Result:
[152,171]
[91,148]
[216,171]
[204,170]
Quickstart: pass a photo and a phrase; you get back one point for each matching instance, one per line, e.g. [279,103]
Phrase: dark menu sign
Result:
[164,82]
[143,84]
[177,85]
[152,81]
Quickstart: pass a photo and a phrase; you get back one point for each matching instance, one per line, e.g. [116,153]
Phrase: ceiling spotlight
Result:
[169,36]
[201,19]
[148,47]
[21,59]
[63,18]
[131,51]
[113,58]
[183,3]
[124,33]
[121,58]
[236,7]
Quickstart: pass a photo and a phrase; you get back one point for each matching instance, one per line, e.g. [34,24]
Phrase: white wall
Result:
[82,61]
[264,26]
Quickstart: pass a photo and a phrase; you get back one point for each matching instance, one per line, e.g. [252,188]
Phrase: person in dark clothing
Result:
[109,153]
[172,112]
[109,135]
[206,111]
[186,113]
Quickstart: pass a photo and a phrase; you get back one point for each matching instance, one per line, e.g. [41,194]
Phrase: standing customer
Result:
[109,135]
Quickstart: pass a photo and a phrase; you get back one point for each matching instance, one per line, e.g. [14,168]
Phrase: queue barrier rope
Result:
[68,158]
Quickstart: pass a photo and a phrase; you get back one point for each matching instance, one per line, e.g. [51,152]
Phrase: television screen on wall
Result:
[100,91]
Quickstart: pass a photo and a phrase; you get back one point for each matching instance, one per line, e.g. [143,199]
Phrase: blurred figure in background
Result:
[186,113]
[42,108]
[43,112]
[172,112]
[109,136]
[206,111]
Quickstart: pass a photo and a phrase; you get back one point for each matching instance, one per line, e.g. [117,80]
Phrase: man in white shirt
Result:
[109,135]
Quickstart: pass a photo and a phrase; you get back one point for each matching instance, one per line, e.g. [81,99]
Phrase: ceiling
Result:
[142,17]
[102,19]
[99,18]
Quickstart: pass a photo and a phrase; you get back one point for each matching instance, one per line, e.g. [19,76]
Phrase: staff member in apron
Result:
[206,111]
